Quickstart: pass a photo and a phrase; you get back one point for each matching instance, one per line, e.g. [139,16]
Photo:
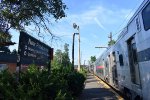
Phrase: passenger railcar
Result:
[126,64]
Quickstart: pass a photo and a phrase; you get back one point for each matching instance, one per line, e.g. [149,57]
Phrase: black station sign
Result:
[33,51]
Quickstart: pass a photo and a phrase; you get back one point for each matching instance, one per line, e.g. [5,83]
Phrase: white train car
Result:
[126,65]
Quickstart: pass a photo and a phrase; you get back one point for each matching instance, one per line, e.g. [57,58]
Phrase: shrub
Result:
[7,85]
[76,82]
[61,84]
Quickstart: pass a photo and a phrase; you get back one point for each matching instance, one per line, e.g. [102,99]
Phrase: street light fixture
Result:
[75,26]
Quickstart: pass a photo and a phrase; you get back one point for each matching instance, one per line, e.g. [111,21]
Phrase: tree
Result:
[57,60]
[112,42]
[5,49]
[93,59]
[5,37]
[14,51]
[61,59]
[18,14]
[58,55]
[65,57]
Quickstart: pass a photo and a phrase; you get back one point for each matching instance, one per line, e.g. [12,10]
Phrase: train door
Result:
[133,62]
[107,71]
[111,69]
[114,70]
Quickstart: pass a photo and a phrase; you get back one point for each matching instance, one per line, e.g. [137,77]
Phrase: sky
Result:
[95,18]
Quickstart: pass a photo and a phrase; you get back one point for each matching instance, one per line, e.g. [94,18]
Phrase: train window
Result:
[106,63]
[134,53]
[121,60]
[146,17]
[114,57]
[138,24]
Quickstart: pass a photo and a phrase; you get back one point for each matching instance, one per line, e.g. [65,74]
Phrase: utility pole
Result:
[73,52]
[110,36]
[73,49]
[77,27]
[111,42]
[79,62]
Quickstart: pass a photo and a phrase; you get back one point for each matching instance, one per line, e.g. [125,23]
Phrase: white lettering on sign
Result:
[31,55]
[30,49]
[25,53]
[31,42]
[26,47]
[41,47]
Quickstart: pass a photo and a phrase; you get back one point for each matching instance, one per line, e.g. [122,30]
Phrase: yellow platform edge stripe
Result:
[108,87]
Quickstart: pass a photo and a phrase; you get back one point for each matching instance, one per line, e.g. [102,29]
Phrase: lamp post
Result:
[73,49]
[77,27]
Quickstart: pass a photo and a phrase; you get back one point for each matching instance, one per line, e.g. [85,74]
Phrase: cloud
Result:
[99,24]
[98,15]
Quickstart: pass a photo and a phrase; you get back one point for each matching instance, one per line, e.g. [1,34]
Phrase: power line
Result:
[126,19]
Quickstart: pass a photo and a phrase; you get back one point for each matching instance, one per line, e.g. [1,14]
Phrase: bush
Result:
[7,85]
[83,71]
[61,84]
[76,83]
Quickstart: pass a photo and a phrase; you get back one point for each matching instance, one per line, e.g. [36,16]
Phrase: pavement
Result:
[96,89]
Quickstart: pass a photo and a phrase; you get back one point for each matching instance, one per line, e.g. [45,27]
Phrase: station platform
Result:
[96,89]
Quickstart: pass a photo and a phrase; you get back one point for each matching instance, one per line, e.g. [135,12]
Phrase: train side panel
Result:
[143,48]
[126,65]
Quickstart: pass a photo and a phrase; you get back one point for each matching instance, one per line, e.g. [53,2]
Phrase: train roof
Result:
[104,53]
[125,29]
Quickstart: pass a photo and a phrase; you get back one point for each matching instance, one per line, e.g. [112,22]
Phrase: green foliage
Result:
[4,49]
[7,85]
[4,37]
[60,96]
[61,67]
[56,63]
[111,42]
[65,56]
[32,84]
[14,52]
[32,69]
[93,59]
[61,84]
[20,13]
[76,83]
[83,71]
[61,59]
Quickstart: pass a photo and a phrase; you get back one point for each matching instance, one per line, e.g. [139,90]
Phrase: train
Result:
[126,65]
